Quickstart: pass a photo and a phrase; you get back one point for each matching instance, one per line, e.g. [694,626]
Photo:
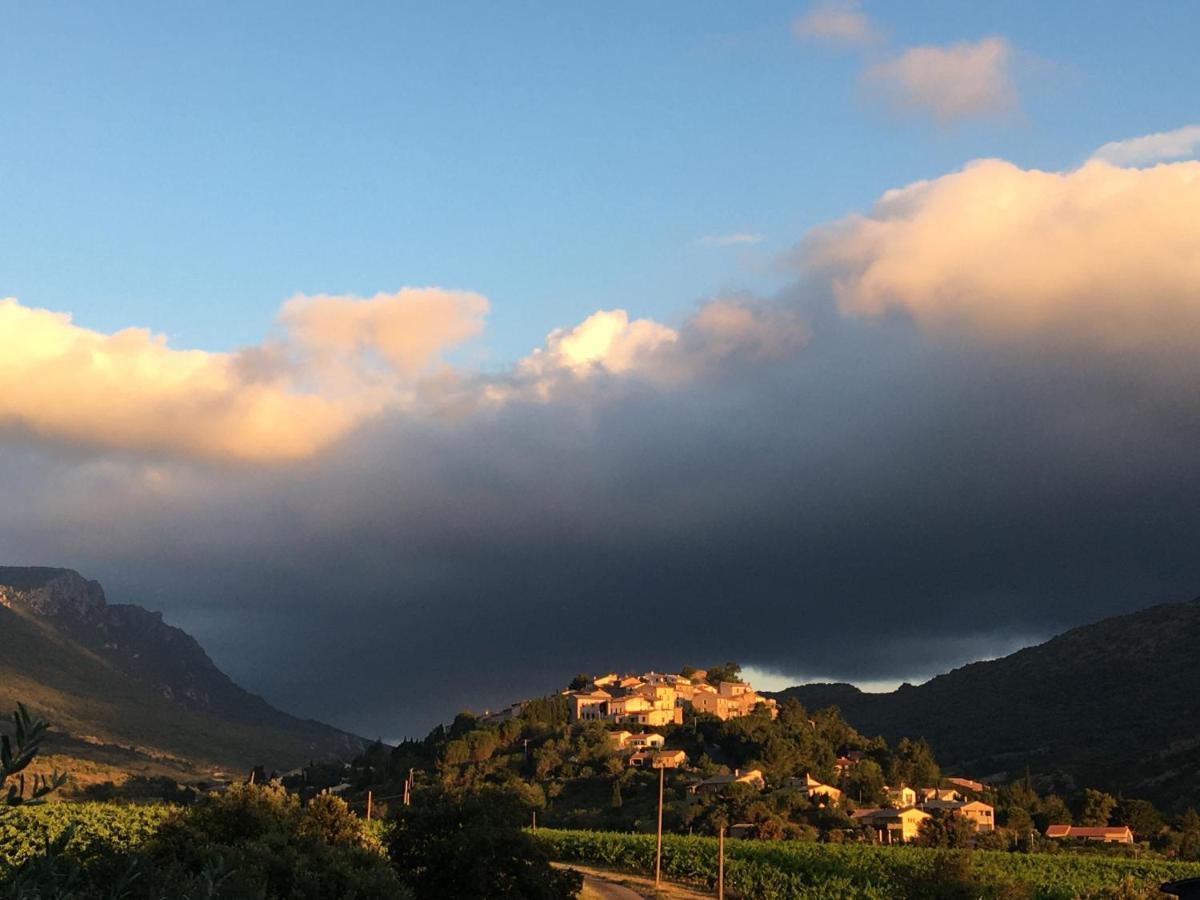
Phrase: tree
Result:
[471,848]
[864,782]
[580,681]
[731,671]
[1052,810]
[17,752]
[1097,808]
[617,802]
[945,829]
[1187,841]
[1141,817]
[913,764]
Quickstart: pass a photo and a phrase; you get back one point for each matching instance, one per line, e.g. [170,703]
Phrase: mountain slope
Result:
[118,684]
[1114,704]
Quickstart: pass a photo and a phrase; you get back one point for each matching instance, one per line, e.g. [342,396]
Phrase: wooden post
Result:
[369,798]
[535,820]
[721,864]
[662,777]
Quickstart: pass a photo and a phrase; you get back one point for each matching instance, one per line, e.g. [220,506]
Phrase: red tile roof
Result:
[1075,831]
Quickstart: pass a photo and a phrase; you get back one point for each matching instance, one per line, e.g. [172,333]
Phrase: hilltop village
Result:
[643,720]
[655,700]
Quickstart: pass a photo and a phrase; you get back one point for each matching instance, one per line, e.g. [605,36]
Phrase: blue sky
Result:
[189,167]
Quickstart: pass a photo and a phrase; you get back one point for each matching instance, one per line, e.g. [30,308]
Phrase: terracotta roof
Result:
[1056,831]
[966,783]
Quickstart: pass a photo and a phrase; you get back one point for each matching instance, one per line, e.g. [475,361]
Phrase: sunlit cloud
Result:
[607,340]
[950,83]
[837,22]
[335,361]
[1182,143]
[1104,255]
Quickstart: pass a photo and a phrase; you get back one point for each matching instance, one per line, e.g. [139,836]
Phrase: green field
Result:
[782,870]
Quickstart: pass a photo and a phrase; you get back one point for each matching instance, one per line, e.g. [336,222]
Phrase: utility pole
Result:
[662,777]
[721,864]
[369,798]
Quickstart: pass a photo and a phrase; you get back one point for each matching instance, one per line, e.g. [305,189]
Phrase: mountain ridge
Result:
[116,681]
[1115,704]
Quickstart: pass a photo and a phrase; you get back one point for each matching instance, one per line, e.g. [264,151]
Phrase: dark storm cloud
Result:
[874,506]
[984,431]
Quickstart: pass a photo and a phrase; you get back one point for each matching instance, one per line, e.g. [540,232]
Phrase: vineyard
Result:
[26,830]
[790,870]
[772,870]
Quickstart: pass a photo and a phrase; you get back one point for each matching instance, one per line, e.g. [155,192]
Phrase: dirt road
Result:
[595,889]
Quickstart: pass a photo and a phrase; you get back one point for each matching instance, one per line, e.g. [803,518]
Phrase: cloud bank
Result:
[970,422]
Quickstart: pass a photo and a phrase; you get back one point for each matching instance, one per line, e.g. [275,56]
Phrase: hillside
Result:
[1114,704]
[125,690]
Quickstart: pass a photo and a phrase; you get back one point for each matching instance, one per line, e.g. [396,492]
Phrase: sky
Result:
[416,359]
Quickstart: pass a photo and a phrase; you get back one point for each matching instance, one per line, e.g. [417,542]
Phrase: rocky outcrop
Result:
[52,593]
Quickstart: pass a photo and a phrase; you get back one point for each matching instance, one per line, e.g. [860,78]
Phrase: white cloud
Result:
[732,240]
[605,341]
[837,21]
[1105,255]
[338,360]
[952,83]
[1164,145]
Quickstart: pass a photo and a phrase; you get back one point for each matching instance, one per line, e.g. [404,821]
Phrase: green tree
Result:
[472,848]
[1051,810]
[1096,808]
[864,782]
[17,751]
[1187,837]
[947,830]
[1141,816]
[617,801]
[731,671]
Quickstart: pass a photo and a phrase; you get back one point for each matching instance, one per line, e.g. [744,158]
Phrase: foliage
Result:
[472,846]
[731,671]
[783,870]
[16,753]
[254,841]
[1096,808]
[944,829]
[88,828]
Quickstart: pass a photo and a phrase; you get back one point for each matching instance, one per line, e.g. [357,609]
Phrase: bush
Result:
[254,841]
[473,847]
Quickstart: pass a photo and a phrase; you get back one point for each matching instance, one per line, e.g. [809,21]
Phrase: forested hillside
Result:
[1115,704]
